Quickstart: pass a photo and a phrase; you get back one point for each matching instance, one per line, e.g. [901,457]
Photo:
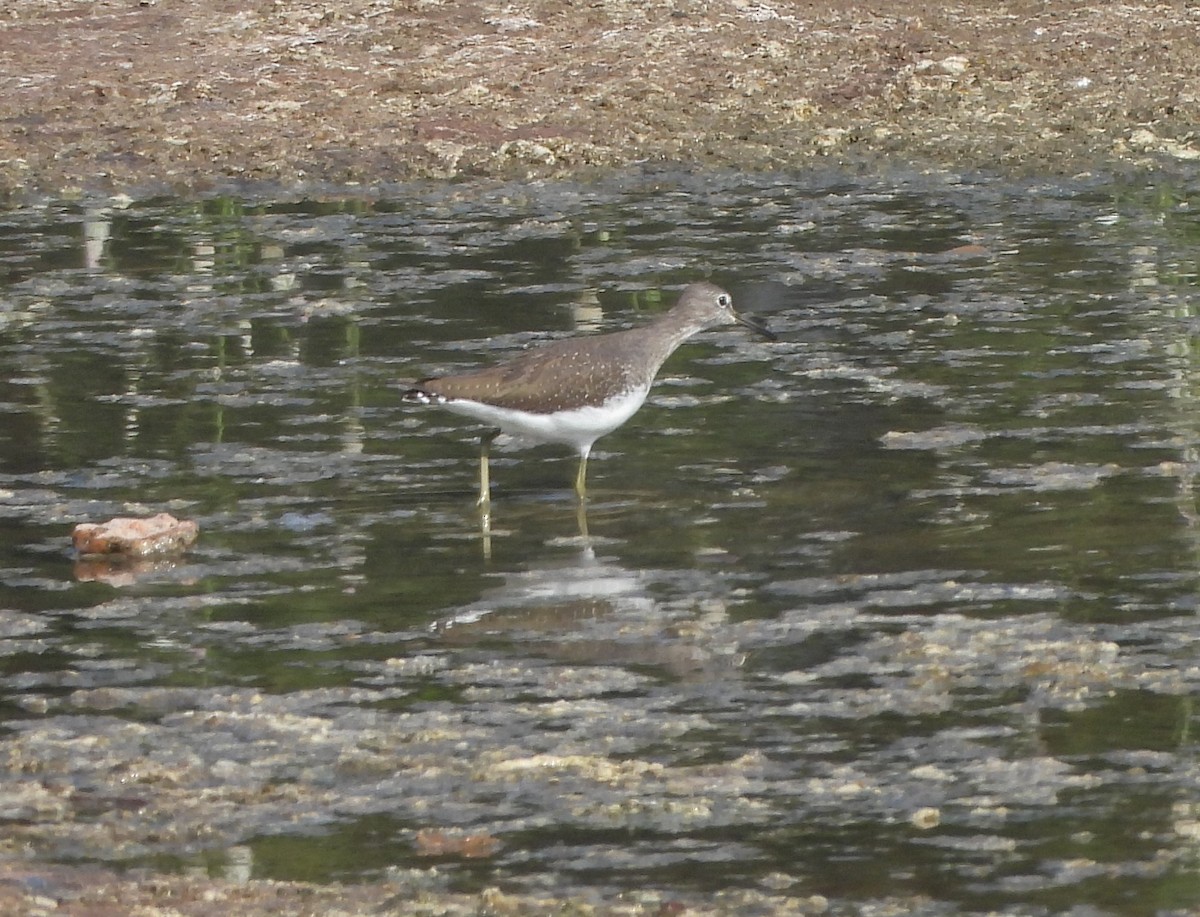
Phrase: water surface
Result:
[898,608]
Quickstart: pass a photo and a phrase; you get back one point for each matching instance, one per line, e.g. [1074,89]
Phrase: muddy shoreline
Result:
[184,95]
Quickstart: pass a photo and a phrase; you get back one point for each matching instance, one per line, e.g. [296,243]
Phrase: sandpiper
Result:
[575,390]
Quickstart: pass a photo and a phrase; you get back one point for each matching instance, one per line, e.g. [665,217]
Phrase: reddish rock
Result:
[431,842]
[161,534]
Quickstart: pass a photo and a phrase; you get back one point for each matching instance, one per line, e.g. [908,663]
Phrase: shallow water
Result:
[901,607]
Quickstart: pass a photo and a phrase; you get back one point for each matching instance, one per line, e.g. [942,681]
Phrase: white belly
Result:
[579,427]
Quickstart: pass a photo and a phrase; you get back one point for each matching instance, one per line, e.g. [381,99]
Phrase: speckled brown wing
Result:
[558,376]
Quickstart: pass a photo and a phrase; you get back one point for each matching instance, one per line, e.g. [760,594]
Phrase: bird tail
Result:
[420,396]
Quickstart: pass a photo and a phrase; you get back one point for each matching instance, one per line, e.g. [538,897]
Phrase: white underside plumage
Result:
[579,427]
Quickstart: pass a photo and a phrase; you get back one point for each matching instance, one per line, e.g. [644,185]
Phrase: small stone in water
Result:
[432,842]
[926,818]
[161,534]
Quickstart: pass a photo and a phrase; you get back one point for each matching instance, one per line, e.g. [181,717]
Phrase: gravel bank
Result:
[187,94]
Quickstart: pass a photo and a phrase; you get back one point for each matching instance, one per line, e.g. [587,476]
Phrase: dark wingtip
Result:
[414,391]
[414,394]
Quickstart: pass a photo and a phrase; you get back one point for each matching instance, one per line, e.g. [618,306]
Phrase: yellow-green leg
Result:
[581,518]
[581,476]
[485,482]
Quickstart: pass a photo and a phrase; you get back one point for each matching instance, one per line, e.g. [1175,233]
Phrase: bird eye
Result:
[724,301]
